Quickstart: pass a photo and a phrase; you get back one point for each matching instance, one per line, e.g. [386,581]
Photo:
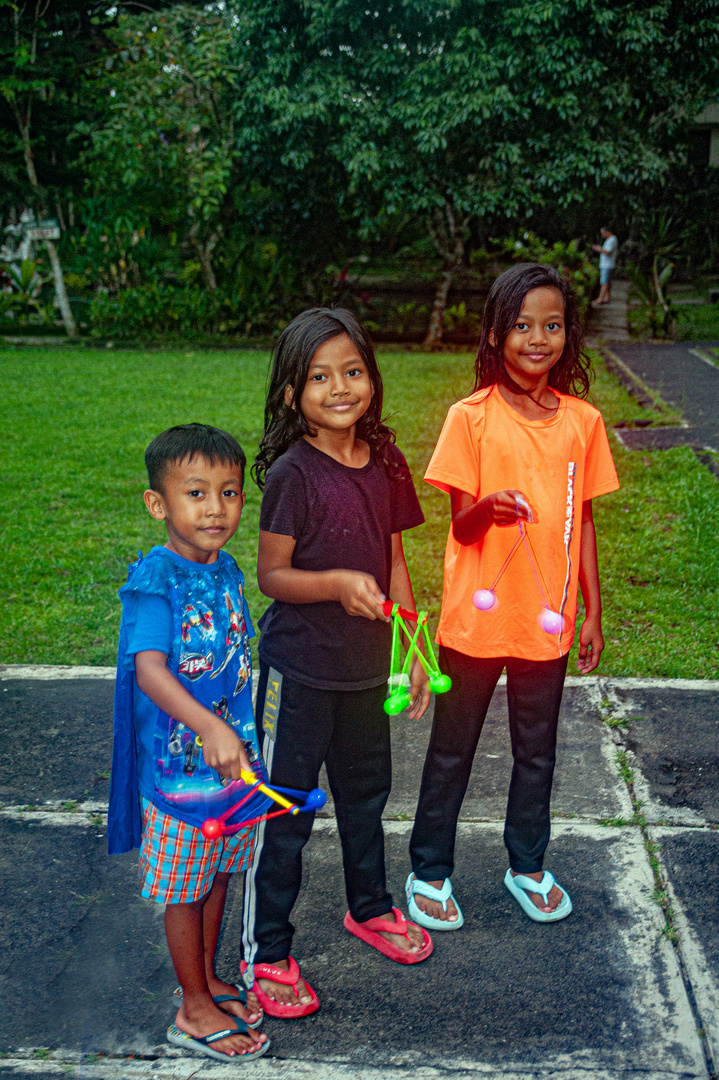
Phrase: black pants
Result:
[534,694]
[300,728]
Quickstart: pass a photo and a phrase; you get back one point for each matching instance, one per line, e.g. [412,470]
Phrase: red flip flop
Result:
[371,932]
[288,978]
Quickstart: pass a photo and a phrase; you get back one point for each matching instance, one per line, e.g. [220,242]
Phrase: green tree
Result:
[473,111]
[163,146]
[32,75]
[47,48]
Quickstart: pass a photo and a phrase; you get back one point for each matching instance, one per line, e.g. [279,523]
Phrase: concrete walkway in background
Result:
[686,376]
[620,989]
[608,322]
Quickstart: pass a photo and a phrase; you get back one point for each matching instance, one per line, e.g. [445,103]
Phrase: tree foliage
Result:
[163,145]
[251,145]
[472,109]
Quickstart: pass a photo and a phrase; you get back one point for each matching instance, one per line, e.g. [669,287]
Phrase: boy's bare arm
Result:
[591,641]
[358,593]
[221,748]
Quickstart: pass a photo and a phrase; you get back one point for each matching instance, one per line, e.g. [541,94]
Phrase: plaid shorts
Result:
[177,863]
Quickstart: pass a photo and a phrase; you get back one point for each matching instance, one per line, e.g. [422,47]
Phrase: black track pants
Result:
[299,729]
[534,695]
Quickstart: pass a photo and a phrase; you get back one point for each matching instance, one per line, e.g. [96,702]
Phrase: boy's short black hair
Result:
[187,441]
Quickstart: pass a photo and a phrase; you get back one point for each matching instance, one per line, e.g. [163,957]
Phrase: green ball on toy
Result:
[396,703]
[440,683]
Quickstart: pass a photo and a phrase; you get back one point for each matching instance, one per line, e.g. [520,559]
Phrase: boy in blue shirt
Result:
[184,726]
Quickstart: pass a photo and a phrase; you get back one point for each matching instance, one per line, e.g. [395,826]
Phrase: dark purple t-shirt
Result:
[341,519]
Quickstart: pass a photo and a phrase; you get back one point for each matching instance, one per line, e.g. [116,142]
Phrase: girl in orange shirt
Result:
[521,458]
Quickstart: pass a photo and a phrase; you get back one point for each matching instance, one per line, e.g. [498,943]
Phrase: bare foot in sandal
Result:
[554,898]
[434,908]
[281,992]
[250,1013]
[412,941]
[201,1017]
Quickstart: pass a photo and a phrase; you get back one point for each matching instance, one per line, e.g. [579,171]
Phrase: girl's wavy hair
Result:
[572,373]
[285,424]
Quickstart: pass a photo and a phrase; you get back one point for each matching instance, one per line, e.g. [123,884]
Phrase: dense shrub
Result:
[166,311]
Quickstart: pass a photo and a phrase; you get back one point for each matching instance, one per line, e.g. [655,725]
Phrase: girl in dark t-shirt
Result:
[337,497]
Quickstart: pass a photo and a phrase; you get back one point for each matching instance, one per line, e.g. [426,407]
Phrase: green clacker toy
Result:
[398,698]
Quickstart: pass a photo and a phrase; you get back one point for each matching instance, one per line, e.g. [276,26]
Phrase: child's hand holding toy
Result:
[359,594]
[505,507]
[223,751]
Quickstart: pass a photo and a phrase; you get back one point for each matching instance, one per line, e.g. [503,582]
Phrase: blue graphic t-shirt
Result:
[195,613]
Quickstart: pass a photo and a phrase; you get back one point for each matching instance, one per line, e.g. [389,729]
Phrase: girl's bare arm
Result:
[358,593]
[221,748]
[472,519]
[591,641]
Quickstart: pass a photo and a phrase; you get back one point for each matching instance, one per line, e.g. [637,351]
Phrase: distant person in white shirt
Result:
[607,261]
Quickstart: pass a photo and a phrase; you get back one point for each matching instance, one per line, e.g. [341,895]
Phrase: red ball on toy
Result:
[211,828]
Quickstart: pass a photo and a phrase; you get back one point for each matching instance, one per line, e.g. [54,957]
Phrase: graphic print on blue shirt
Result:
[198,629]
[210,655]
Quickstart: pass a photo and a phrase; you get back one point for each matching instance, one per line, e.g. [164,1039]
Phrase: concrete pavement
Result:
[620,989]
[608,322]
[686,376]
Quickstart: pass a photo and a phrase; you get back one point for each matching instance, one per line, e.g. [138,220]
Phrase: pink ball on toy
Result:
[551,621]
[484,599]
[211,829]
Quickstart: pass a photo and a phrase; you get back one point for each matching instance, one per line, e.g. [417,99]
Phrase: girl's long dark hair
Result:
[572,373]
[285,424]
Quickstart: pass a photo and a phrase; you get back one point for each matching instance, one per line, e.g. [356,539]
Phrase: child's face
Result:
[536,341]
[201,505]
[338,390]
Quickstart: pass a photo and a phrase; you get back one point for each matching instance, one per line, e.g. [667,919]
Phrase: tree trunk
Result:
[435,328]
[669,323]
[448,235]
[204,249]
[61,292]
[208,270]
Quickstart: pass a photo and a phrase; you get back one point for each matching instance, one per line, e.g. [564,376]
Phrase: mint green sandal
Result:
[520,887]
[442,896]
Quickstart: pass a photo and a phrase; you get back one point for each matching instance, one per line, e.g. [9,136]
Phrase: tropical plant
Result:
[656,239]
[257,298]
[22,302]
[657,312]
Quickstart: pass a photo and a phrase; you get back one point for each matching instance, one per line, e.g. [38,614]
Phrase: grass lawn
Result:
[75,427]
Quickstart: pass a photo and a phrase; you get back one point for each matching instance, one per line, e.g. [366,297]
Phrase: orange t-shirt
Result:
[558,463]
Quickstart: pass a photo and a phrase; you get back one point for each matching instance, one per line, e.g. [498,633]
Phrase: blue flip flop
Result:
[414,885]
[203,1044]
[520,887]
